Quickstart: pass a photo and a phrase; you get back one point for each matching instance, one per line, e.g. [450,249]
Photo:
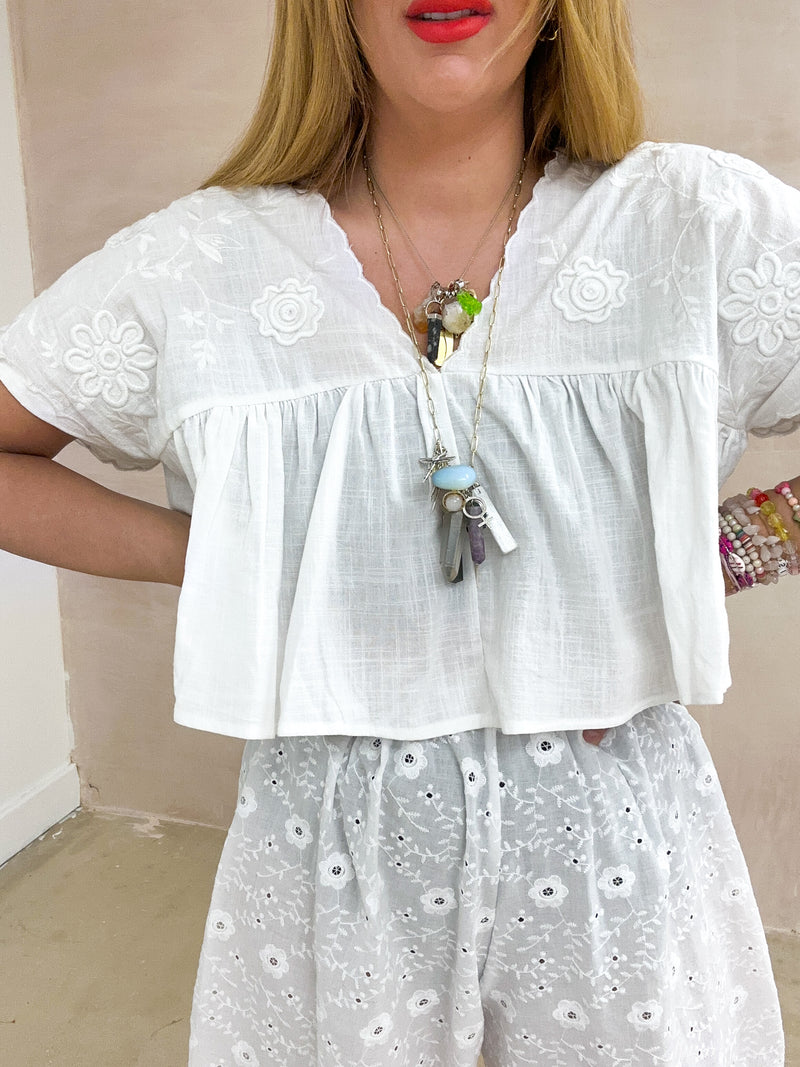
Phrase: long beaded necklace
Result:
[448,311]
[463,503]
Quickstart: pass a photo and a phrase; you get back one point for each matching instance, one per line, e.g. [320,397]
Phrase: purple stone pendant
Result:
[477,543]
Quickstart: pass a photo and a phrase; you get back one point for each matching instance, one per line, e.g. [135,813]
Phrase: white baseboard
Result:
[27,815]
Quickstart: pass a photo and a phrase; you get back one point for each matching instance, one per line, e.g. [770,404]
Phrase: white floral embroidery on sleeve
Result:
[764,304]
[111,359]
[589,291]
[288,312]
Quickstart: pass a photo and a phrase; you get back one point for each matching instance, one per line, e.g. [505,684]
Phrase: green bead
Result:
[469,303]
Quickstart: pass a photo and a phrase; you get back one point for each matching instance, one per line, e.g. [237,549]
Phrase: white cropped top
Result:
[649,318]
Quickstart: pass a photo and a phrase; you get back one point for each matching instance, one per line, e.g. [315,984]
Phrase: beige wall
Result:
[126,105]
[38,784]
[725,73]
[123,107]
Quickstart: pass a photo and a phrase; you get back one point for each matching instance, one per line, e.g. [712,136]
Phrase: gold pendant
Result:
[446,349]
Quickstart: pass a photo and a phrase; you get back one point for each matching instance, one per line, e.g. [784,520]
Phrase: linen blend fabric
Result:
[385,902]
[649,317]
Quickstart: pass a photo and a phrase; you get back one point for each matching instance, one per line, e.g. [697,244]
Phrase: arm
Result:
[51,514]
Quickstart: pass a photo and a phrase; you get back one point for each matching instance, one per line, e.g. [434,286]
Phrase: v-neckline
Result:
[393,327]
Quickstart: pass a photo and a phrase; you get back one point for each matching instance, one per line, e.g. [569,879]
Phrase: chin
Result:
[450,83]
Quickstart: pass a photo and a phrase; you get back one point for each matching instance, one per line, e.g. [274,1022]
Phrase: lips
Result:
[446,21]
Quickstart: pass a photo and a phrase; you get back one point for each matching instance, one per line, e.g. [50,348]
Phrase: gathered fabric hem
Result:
[197,718]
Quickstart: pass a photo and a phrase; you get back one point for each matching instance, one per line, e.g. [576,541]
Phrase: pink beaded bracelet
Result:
[786,492]
[733,564]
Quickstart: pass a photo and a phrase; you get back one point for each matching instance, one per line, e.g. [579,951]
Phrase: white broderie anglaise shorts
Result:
[404,903]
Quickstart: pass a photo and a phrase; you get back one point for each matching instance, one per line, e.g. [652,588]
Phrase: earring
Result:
[553,36]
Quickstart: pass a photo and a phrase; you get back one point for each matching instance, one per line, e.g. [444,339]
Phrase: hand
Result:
[594,737]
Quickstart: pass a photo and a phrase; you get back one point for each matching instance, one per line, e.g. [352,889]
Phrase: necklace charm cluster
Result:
[444,315]
[462,501]
[465,506]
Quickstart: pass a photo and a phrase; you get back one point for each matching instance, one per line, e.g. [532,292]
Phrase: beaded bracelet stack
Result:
[748,557]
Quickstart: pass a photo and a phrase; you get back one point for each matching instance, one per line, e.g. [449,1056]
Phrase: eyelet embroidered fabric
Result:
[411,903]
[650,318]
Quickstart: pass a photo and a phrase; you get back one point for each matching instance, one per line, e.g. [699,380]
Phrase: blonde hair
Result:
[311,122]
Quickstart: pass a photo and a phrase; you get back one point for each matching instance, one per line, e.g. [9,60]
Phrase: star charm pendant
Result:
[435,462]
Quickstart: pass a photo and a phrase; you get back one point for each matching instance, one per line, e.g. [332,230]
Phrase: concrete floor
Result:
[102,920]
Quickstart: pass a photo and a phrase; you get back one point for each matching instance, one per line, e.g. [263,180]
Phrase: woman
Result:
[430,858]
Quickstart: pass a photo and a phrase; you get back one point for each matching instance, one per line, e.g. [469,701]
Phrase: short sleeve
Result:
[84,355]
[758,260]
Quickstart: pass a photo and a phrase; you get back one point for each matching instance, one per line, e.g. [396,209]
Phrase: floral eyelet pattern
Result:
[585,912]
[288,312]
[589,291]
[617,881]
[111,359]
[548,892]
[764,304]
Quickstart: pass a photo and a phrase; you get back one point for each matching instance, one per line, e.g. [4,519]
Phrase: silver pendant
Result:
[439,459]
[489,518]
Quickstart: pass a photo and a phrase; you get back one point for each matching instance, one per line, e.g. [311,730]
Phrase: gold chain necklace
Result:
[464,502]
[457,311]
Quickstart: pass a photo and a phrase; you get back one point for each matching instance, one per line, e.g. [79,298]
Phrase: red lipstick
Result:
[447,21]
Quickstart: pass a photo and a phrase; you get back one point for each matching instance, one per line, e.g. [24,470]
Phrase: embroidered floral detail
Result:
[422,1001]
[245,1055]
[547,748]
[211,244]
[337,870]
[503,1002]
[220,925]
[617,881]
[589,291]
[410,760]
[111,359]
[468,1037]
[141,227]
[373,749]
[548,892]
[377,1030]
[247,801]
[764,304]
[571,1015]
[288,312]
[645,1014]
[485,916]
[730,161]
[274,961]
[735,890]
[474,778]
[298,832]
[706,780]
[738,997]
[205,353]
[438,901]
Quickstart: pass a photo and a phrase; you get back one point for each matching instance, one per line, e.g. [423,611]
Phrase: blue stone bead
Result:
[458,477]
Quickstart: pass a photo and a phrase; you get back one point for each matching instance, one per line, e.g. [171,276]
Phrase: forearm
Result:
[51,514]
[757,519]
